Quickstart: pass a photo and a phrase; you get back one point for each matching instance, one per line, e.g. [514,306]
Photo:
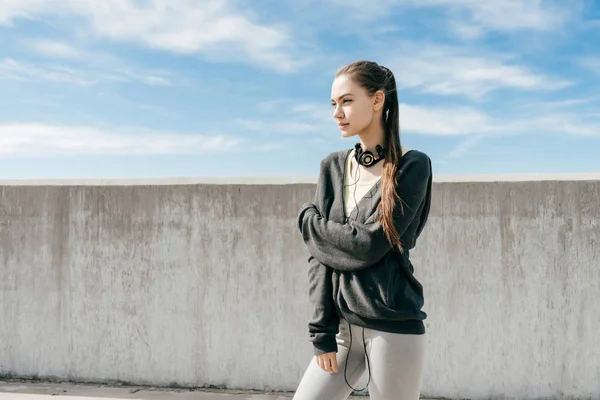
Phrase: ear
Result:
[378,100]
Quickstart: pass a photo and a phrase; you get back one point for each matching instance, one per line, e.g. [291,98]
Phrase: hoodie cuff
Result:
[328,345]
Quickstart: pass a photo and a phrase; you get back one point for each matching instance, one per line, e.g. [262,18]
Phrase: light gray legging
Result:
[396,366]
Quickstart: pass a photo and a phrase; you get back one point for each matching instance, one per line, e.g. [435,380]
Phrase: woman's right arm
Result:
[324,322]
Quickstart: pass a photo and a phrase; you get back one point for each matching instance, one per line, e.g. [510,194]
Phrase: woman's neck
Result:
[372,137]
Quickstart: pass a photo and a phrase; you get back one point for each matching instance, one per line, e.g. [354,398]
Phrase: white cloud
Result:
[443,120]
[473,18]
[469,147]
[295,109]
[591,63]
[55,49]
[504,15]
[356,10]
[469,121]
[288,117]
[11,9]
[444,70]
[566,123]
[216,29]
[61,50]
[582,105]
[464,147]
[31,139]
[277,127]
[11,69]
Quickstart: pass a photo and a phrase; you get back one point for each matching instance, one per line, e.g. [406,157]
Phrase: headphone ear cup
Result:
[367,158]
[357,152]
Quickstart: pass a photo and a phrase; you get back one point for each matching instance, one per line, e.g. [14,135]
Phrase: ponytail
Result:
[389,196]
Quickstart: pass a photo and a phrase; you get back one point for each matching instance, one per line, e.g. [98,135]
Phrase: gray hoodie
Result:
[353,271]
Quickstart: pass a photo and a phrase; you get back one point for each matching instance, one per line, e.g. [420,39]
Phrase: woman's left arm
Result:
[353,246]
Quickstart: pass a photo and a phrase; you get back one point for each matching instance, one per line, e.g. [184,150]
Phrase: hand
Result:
[327,362]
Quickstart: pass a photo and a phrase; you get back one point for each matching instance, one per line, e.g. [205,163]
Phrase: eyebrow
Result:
[345,94]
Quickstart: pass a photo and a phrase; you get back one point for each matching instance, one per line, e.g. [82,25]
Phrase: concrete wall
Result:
[194,284]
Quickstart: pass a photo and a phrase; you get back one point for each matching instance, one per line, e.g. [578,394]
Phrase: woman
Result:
[371,204]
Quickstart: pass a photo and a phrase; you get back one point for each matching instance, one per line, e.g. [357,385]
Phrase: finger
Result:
[323,363]
[327,366]
[334,365]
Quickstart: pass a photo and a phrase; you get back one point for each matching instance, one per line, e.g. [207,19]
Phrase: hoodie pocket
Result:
[391,280]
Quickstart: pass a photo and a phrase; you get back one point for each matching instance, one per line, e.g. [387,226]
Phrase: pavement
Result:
[26,390]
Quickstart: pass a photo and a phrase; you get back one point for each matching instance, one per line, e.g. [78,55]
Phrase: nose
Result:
[337,113]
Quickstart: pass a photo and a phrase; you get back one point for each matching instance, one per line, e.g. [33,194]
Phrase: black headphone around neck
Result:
[366,158]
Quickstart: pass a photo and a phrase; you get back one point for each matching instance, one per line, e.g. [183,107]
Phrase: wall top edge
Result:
[455,178]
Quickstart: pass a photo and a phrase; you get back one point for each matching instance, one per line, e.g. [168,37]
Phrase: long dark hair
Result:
[374,77]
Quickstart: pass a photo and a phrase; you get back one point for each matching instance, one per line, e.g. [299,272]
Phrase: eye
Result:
[343,101]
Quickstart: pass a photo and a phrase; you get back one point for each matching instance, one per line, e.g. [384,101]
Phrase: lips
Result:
[343,125]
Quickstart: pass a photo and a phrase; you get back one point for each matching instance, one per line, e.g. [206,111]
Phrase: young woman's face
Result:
[353,108]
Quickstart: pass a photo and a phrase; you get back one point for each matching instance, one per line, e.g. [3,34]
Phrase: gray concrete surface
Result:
[19,390]
[287,180]
[200,284]
[35,391]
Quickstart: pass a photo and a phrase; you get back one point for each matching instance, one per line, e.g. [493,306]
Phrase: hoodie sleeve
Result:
[353,246]
[323,324]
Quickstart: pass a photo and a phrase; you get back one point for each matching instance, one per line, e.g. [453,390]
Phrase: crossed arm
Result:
[353,246]
[347,247]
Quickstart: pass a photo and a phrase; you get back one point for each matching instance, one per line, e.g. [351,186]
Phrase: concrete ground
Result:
[23,390]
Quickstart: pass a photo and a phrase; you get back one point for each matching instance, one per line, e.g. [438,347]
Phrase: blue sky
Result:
[222,88]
